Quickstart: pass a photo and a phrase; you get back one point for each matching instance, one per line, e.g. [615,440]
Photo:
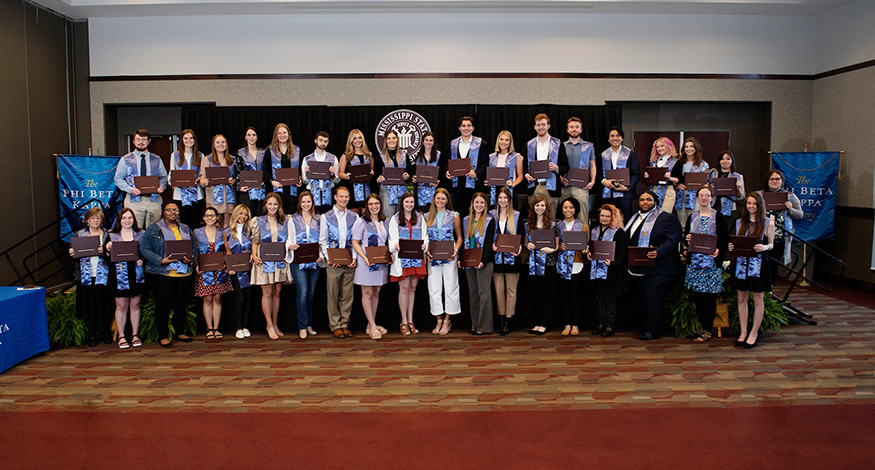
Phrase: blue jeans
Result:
[305,285]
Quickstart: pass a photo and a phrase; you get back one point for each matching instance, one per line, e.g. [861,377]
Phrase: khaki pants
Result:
[340,295]
[146,211]
[505,292]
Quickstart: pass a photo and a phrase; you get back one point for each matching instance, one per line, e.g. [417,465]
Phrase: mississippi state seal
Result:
[410,127]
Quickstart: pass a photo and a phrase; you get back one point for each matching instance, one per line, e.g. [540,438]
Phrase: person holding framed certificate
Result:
[469,146]
[270,275]
[542,265]
[507,266]
[783,222]
[569,265]
[304,228]
[692,162]
[356,153]
[126,278]
[619,157]
[505,157]
[283,154]
[239,242]
[371,230]
[250,158]
[751,273]
[335,235]
[211,284]
[320,185]
[220,196]
[188,198]
[408,225]
[663,155]
[725,204]
[608,277]
[479,232]
[704,276]
[429,156]
[92,279]
[392,155]
[443,224]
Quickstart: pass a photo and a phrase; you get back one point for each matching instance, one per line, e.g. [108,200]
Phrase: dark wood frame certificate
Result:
[703,243]
[177,250]
[775,201]
[743,245]
[288,176]
[603,250]
[306,253]
[655,175]
[217,175]
[410,249]
[183,178]
[211,261]
[394,175]
[318,170]
[497,175]
[578,177]
[251,178]
[543,238]
[239,262]
[540,169]
[638,256]
[378,254]
[125,251]
[359,173]
[508,243]
[620,175]
[694,181]
[272,251]
[725,186]
[340,256]
[459,166]
[147,184]
[441,249]
[577,240]
[471,257]
[427,174]
[85,247]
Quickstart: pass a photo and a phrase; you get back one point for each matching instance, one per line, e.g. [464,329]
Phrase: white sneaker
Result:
[246,332]
[240,334]
[311,331]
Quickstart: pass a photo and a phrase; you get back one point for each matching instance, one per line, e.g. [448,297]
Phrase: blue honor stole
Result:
[211,278]
[222,193]
[358,189]
[661,189]
[749,266]
[444,232]
[245,162]
[321,189]
[425,192]
[395,191]
[565,261]
[188,195]
[305,234]
[334,229]
[101,274]
[374,238]
[276,161]
[510,162]
[132,164]
[500,257]
[599,269]
[240,246]
[687,198]
[727,205]
[404,234]
[265,235]
[185,234]
[607,164]
[479,239]
[706,225]
[473,154]
[537,258]
[552,155]
[122,275]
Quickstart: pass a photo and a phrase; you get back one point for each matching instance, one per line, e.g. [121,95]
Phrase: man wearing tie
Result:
[615,158]
[652,227]
[140,162]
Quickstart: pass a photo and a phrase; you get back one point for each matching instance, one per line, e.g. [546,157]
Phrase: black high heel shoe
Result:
[741,343]
[751,345]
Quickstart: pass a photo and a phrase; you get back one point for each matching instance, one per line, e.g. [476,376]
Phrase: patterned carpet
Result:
[832,363]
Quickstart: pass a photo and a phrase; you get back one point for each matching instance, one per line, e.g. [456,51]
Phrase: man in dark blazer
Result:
[660,230]
[614,158]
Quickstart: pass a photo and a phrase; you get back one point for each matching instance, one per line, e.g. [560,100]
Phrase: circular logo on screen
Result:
[410,127]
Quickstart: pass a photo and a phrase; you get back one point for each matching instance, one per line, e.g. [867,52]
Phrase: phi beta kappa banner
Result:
[813,178]
[81,178]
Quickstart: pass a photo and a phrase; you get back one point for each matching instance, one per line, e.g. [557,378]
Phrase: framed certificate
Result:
[508,243]
[211,261]
[239,262]
[318,170]
[394,176]
[360,173]
[655,175]
[251,178]
[743,245]
[497,176]
[340,256]
[177,250]
[703,243]
[578,177]
[125,251]
[459,166]
[217,175]
[543,238]
[147,184]
[775,201]
[410,249]
[576,240]
[288,176]
[442,250]
[427,174]
[183,178]
[638,256]
[540,169]
[694,181]
[84,247]
[471,257]
[603,250]
[725,186]
[307,253]
[272,251]
[620,175]
[379,254]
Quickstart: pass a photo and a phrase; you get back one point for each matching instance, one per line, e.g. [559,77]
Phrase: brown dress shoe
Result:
[338,333]
[347,333]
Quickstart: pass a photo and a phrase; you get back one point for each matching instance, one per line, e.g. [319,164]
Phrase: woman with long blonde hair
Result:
[392,155]
[221,196]
[479,228]
[356,153]
[443,224]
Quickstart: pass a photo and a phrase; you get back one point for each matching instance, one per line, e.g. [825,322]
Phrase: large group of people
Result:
[366,232]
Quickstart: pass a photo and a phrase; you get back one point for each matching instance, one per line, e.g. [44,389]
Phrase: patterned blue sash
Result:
[565,260]
[425,192]
[255,194]
[404,234]
[599,269]
[240,246]
[266,236]
[444,232]
[132,163]
[687,199]
[305,234]
[473,154]
[504,258]
[749,266]
[552,155]
[101,274]
[185,233]
[211,278]
[187,195]
[510,162]
[122,279]
[706,225]
[321,189]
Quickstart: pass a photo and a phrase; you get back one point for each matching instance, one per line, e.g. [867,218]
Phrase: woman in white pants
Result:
[443,224]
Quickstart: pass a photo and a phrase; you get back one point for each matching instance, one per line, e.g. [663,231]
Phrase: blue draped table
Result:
[24,327]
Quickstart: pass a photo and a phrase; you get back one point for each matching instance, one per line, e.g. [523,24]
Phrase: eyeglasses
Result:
[171,210]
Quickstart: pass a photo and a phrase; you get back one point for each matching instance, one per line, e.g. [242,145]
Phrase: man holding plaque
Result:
[335,231]
[544,147]
[140,162]
[660,231]
[475,148]
[581,159]
[618,157]
[320,184]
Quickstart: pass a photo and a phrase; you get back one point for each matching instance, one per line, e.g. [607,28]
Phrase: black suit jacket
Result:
[665,237]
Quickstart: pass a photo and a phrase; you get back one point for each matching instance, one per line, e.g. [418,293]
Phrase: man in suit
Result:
[661,231]
[614,158]
[544,147]
[467,146]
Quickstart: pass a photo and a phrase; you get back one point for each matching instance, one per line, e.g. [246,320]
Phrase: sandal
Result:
[445,329]
[702,336]
[405,330]
[123,343]
[210,334]
[437,328]
[136,342]
[217,334]
[412,328]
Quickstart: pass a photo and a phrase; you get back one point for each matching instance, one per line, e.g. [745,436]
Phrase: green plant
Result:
[773,315]
[65,327]
[149,330]
[683,312]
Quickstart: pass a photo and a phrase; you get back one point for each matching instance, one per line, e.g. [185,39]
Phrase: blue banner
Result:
[81,178]
[814,178]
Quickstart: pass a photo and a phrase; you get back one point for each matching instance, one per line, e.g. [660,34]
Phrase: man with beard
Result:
[321,188]
[581,155]
[140,162]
